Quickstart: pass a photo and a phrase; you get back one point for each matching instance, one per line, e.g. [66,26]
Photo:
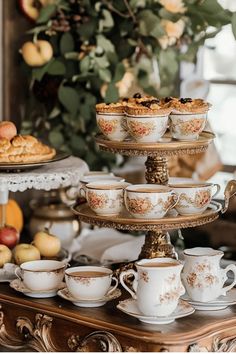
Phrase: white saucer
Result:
[129,306]
[65,294]
[18,285]
[218,304]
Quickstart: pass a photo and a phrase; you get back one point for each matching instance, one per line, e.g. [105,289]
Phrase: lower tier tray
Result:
[126,222]
[167,146]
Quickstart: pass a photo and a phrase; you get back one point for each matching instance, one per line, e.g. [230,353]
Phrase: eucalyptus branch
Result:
[130,11]
[113,9]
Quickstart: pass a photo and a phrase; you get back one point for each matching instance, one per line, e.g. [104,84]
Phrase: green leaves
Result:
[67,43]
[69,98]
[46,12]
[149,24]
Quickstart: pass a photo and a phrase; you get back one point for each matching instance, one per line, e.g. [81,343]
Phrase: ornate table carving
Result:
[56,325]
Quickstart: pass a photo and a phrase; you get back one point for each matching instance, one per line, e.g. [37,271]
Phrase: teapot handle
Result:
[230,191]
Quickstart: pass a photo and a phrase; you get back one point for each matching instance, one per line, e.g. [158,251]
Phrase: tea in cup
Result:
[156,286]
[149,201]
[202,275]
[194,198]
[41,275]
[90,282]
[99,178]
[105,197]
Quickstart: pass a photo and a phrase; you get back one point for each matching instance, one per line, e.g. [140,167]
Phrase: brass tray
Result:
[126,222]
[167,146]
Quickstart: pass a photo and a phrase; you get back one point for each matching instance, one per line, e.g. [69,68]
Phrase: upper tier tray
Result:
[126,222]
[167,146]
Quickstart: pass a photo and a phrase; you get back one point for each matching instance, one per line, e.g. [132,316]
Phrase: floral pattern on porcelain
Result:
[107,126]
[201,199]
[97,201]
[139,129]
[189,127]
[171,295]
[144,276]
[144,205]
[200,276]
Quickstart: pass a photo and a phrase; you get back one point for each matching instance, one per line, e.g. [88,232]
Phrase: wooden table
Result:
[56,325]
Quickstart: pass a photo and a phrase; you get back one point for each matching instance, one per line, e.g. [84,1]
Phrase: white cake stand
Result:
[59,174]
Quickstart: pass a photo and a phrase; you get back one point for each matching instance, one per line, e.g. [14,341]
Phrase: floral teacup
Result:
[156,286]
[113,126]
[147,129]
[149,201]
[105,198]
[202,276]
[187,126]
[194,198]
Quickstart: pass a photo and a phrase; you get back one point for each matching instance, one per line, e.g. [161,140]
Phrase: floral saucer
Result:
[129,306]
[18,285]
[218,304]
[65,294]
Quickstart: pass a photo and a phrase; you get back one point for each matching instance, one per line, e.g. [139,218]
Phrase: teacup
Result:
[90,282]
[147,129]
[156,286]
[41,275]
[105,197]
[152,201]
[202,276]
[187,126]
[113,126]
[194,198]
[100,177]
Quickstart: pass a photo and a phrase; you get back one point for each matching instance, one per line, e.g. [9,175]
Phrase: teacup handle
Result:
[18,273]
[135,282]
[231,267]
[82,191]
[113,288]
[175,199]
[217,189]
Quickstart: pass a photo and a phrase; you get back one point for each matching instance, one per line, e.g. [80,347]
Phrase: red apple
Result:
[9,236]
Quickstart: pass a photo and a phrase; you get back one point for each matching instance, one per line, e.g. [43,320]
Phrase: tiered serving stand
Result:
[157,240]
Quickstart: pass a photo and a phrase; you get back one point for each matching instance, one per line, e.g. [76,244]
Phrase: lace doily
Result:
[62,173]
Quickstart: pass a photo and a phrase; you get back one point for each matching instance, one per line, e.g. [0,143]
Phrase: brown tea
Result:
[160,265]
[88,274]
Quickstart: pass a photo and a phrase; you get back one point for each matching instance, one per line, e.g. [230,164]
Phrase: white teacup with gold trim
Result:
[202,275]
[149,201]
[90,282]
[105,198]
[157,285]
[194,198]
[187,126]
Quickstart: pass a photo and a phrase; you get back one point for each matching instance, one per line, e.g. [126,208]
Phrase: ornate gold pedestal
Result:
[157,241]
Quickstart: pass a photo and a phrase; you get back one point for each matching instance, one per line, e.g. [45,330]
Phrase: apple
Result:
[7,130]
[47,244]
[25,252]
[5,255]
[31,8]
[38,53]
[9,236]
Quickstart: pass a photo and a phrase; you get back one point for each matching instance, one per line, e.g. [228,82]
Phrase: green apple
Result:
[47,244]
[5,255]
[25,252]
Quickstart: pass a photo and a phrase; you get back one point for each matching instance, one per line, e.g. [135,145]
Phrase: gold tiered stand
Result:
[157,240]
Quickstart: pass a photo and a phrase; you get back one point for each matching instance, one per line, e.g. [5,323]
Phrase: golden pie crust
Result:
[110,108]
[24,149]
[138,109]
[194,106]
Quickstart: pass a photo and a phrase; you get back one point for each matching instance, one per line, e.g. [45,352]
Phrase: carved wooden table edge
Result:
[34,322]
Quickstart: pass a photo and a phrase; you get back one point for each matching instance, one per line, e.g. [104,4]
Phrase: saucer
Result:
[129,306]
[65,294]
[218,304]
[18,285]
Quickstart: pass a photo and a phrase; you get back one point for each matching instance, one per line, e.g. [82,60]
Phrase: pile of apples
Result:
[44,245]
